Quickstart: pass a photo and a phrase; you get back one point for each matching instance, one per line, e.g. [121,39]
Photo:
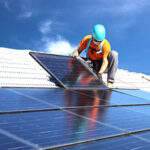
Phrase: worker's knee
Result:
[114,54]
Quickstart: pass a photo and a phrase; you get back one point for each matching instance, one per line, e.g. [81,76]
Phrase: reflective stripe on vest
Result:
[88,46]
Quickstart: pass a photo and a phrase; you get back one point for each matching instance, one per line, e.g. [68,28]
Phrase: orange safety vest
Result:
[97,52]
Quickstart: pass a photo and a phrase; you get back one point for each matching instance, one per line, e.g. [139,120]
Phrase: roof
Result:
[19,69]
[35,113]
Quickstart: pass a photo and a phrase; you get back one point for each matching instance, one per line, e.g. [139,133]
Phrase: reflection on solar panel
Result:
[70,72]
[19,100]
[44,118]
[53,128]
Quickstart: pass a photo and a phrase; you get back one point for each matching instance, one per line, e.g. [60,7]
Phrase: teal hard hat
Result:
[99,32]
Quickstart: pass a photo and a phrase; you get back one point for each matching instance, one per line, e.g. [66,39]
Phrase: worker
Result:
[98,51]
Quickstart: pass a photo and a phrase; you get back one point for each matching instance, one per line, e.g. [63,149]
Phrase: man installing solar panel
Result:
[98,52]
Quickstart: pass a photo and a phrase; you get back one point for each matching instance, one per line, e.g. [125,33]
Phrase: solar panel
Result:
[118,143]
[21,100]
[53,128]
[69,72]
[123,118]
[11,101]
[47,129]
[59,128]
[143,110]
[137,93]
[145,135]
[114,97]
[10,143]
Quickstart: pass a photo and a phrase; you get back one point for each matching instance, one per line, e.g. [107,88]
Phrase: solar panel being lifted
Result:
[70,72]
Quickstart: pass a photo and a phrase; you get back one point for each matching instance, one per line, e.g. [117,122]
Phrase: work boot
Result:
[110,84]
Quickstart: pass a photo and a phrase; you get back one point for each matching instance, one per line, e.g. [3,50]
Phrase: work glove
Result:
[99,75]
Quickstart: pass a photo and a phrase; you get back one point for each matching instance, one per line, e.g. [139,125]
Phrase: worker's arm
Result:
[104,66]
[76,52]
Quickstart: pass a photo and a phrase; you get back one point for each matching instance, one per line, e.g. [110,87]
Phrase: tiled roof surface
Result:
[19,69]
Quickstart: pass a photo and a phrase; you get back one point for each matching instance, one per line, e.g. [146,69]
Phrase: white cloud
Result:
[57,44]
[45,27]
[60,47]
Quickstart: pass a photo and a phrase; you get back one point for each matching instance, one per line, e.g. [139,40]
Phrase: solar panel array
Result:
[72,119]
[75,118]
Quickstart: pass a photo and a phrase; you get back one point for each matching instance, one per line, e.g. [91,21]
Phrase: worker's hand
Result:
[74,54]
[100,76]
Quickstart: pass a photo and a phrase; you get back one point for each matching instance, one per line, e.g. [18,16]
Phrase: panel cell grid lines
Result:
[19,100]
[70,72]
[137,93]
[100,119]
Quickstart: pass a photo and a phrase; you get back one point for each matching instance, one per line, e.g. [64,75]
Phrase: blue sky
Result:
[57,26]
